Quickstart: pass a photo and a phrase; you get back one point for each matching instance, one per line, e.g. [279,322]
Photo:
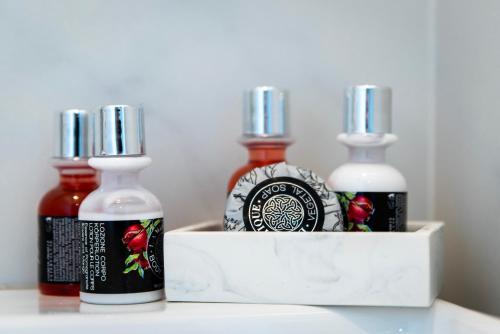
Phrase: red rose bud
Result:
[135,238]
[360,208]
[143,262]
[131,232]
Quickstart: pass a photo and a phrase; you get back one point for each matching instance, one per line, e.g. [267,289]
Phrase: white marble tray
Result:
[205,264]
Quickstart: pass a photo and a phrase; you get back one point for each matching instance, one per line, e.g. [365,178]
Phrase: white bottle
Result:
[121,222]
[373,194]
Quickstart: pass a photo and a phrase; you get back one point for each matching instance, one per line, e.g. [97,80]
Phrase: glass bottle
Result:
[265,130]
[59,253]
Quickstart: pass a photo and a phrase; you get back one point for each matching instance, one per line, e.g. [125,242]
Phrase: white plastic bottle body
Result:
[366,169]
[120,198]
[367,177]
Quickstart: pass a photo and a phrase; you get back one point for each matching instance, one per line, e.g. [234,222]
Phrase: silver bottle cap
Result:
[120,131]
[265,113]
[75,139]
[367,110]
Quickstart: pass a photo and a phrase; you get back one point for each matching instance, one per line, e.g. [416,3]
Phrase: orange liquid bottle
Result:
[265,130]
[58,227]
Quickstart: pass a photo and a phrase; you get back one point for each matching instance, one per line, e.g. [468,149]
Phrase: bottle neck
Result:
[367,148]
[120,172]
[367,154]
[119,179]
[266,152]
[77,178]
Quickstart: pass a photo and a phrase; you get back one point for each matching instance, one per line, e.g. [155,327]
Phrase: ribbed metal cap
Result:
[266,113]
[120,131]
[75,137]
[367,110]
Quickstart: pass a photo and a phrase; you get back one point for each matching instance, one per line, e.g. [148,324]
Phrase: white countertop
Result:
[25,311]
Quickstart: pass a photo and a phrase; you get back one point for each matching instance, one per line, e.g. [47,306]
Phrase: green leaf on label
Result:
[344,201]
[156,223]
[132,267]
[145,254]
[345,198]
[145,223]
[364,228]
[141,272]
[131,258]
[350,195]
[350,226]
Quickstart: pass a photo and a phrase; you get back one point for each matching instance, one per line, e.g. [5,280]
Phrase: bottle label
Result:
[374,211]
[122,256]
[58,249]
[282,198]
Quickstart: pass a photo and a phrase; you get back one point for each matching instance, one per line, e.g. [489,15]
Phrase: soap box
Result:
[205,264]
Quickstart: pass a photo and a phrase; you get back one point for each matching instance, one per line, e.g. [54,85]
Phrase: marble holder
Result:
[205,264]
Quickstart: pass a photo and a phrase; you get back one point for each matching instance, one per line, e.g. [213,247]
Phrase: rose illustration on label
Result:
[136,238]
[359,210]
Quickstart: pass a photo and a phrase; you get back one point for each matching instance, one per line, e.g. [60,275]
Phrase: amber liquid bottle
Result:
[60,206]
[265,130]
[58,227]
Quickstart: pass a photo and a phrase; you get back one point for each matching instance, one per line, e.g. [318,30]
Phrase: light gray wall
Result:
[468,148]
[187,62]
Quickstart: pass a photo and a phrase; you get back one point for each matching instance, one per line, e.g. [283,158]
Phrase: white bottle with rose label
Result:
[372,194]
[121,222]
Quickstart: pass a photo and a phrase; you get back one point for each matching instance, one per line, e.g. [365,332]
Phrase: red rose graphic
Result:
[360,208]
[135,238]
[143,262]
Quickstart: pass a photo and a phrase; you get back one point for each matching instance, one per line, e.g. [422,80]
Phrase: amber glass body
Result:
[75,183]
[259,154]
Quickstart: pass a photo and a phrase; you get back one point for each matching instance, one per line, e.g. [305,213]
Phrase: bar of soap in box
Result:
[205,264]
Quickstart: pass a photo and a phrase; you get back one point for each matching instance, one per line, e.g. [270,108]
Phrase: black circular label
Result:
[283,204]
[155,251]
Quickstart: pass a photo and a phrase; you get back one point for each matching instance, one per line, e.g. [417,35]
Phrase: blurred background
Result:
[187,63]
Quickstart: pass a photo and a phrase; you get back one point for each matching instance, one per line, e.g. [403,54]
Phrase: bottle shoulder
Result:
[373,177]
[120,195]
[120,204]
[61,202]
